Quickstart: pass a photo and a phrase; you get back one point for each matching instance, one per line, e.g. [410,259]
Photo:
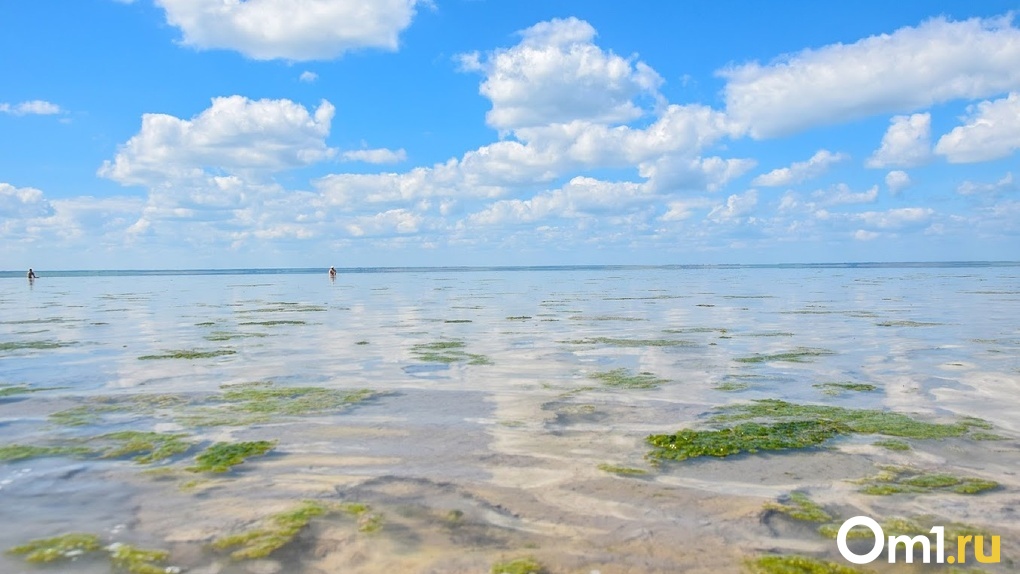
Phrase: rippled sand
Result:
[471,462]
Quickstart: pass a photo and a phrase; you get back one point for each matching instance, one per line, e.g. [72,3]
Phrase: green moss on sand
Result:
[900,480]
[518,566]
[614,342]
[624,379]
[799,507]
[798,355]
[833,389]
[63,547]
[146,446]
[223,456]
[792,564]
[189,354]
[622,470]
[278,531]
[31,345]
[137,560]
[13,452]
[742,438]
[253,403]
[447,352]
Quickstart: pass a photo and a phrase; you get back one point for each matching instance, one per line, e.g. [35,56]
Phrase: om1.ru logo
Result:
[910,543]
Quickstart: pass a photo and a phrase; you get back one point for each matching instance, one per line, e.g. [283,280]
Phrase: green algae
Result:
[863,421]
[743,438]
[621,470]
[834,389]
[906,324]
[12,390]
[259,402]
[798,355]
[274,323]
[279,530]
[82,415]
[147,447]
[63,547]
[458,321]
[14,452]
[518,318]
[228,336]
[900,480]
[223,456]
[447,352]
[189,354]
[892,444]
[32,345]
[799,507]
[731,386]
[137,560]
[518,566]
[793,564]
[623,379]
[631,342]
[206,324]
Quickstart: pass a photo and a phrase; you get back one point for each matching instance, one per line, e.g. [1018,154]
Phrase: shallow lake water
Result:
[499,414]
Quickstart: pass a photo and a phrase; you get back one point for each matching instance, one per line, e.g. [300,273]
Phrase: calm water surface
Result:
[490,429]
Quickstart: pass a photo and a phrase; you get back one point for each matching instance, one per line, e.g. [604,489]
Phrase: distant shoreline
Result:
[467,268]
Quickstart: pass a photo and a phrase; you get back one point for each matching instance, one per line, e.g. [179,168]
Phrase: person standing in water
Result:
[31,274]
[332,272]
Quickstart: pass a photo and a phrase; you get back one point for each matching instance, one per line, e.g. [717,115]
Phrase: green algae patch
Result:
[216,336]
[743,438]
[147,447]
[82,415]
[278,531]
[32,345]
[898,480]
[906,324]
[223,456]
[138,560]
[63,547]
[274,323]
[13,390]
[189,354]
[799,507]
[15,452]
[798,355]
[892,444]
[863,421]
[793,564]
[624,379]
[834,389]
[259,402]
[622,470]
[447,352]
[632,342]
[518,566]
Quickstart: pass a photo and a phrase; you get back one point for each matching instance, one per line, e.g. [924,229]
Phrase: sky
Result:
[169,134]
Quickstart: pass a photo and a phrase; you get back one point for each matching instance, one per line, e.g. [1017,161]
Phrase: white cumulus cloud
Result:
[1005,185]
[914,67]
[736,206]
[556,74]
[897,181]
[907,143]
[290,29]
[800,171]
[379,155]
[233,135]
[33,107]
[992,131]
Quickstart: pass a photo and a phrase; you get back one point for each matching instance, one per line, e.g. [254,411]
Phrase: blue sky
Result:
[292,133]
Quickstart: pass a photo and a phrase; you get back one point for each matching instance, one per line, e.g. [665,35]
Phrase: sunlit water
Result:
[470,464]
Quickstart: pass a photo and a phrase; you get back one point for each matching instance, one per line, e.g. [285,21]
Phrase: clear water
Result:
[512,447]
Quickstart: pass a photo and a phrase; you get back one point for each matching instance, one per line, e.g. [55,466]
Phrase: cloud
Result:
[907,143]
[581,196]
[390,222]
[914,67]
[33,107]
[290,29]
[897,181]
[736,206]
[684,208]
[380,155]
[800,171]
[992,131]
[1005,185]
[23,203]
[308,77]
[841,194]
[895,218]
[234,135]
[556,74]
